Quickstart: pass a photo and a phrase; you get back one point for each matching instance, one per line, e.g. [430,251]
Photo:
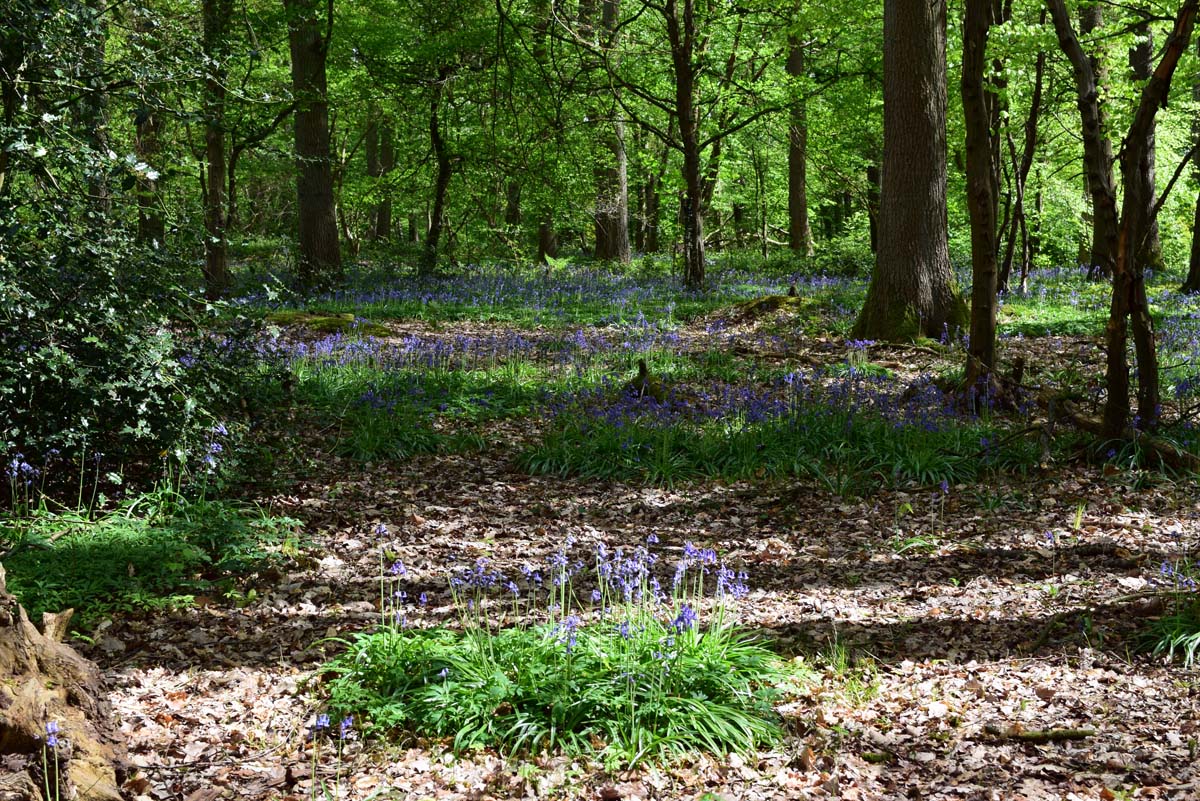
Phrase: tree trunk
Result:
[319,264]
[217,278]
[547,241]
[612,169]
[441,182]
[681,35]
[1141,64]
[147,129]
[93,106]
[799,231]
[387,163]
[1097,149]
[981,194]
[374,166]
[1191,284]
[1137,208]
[512,204]
[912,291]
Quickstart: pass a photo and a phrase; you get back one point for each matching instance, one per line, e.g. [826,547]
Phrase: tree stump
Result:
[44,681]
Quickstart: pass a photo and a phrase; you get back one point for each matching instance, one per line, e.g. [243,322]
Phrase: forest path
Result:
[962,615]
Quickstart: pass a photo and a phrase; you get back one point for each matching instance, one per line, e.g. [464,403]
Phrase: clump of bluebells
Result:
[630,653]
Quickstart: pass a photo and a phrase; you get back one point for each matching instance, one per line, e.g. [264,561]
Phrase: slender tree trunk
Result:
[981,194]
[681,35]
[799,230]
[1021,176]
[387,163]
[1129,291]
[147,129]
[912,291]
[441,182]
[319,264]
[512,204]
[217,278]
[1191,284]
[374,166]
[1141,64]
[93,105]
[1097,148]
[1137,209]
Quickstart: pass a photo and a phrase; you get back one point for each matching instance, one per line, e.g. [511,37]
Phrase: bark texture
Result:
[912,291]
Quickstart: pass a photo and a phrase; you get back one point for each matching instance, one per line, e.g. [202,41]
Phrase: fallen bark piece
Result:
[53,705]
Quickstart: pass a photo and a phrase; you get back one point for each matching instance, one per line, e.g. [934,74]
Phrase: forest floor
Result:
[970,618]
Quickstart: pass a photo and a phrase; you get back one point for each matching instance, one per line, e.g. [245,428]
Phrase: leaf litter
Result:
[949,631]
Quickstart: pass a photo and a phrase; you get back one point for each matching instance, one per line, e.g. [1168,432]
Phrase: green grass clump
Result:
[136,558]
[633,674]
[1176,635]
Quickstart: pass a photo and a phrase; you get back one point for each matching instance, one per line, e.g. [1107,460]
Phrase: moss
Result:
[758,307]
[325,323]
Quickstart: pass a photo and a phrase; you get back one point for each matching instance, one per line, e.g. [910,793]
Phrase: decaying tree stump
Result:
[44,681]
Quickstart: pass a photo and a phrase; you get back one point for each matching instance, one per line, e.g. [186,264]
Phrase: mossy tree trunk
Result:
[912,291]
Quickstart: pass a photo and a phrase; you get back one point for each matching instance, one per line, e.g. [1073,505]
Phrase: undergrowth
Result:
[158,551]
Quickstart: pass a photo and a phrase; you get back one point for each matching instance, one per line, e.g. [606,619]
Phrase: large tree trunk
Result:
[319,265]
[799,230]
[981,194]
[44,681]
[681,36]
[912,291]
[217,278]
[387,163]
[612,197]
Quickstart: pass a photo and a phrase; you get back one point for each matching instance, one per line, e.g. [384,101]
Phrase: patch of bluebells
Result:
[557,293]
[1171,577]
[921,404]
[620,585]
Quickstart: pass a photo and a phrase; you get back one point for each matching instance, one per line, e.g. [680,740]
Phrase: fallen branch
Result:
[1059,408]
[1037,735]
